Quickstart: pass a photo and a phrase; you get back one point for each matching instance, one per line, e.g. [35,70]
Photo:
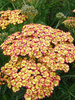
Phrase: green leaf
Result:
[3,89]
[4,97]
[72,90]
[65,76]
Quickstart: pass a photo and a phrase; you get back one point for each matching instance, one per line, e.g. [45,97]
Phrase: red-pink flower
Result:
[35,55]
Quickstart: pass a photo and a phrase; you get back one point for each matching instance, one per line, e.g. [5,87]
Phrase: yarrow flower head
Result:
[11,17]
[29,11]
[69,22]
[60,15]
[35,55]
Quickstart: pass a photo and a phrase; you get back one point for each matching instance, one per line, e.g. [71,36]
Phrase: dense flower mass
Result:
[36,53]
[11,17]
[69,22]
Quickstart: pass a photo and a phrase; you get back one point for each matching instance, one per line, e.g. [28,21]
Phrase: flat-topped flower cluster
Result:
[11,17]
[35,54]
[70,22]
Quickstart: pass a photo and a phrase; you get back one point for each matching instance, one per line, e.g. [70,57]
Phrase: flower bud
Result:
[60,15]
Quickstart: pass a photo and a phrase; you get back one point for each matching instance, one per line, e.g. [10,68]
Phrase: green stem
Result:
[13,5]
[4,5]
[58,24]
[17,27]
[16,97]
[72,94]
[36,5]
[24,2]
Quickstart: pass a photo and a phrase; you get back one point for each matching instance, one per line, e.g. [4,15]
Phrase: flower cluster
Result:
[60,15]
[11,17]
[29,11]
[69,22]
[37,78]
[35,54]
